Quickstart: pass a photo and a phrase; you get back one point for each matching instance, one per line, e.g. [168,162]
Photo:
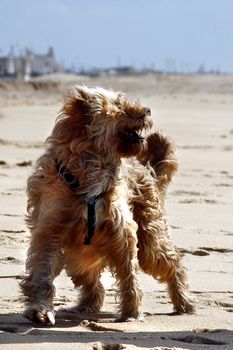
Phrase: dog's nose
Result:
[147,111]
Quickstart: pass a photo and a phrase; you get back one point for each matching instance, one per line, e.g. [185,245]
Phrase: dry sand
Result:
[197,112]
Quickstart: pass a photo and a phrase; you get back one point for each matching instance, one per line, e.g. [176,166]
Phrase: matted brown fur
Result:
[98,138]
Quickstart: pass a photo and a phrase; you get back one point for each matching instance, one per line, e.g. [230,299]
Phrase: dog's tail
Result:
[161,156]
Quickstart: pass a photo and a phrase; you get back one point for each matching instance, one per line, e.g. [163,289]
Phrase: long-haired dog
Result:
[96,200]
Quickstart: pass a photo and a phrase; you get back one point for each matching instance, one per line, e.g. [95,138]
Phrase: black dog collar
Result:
[91,218]
[68,177]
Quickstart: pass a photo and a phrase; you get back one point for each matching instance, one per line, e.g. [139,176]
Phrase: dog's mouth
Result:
[131,136]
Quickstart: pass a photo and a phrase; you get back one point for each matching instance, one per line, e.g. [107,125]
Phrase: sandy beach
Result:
[197,112]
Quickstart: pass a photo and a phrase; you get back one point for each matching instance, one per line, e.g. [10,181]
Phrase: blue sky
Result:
[161,33]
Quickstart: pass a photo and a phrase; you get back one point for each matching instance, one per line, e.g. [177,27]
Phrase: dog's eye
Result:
[147,111]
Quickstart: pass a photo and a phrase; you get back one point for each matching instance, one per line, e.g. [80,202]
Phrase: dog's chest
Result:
[97,179]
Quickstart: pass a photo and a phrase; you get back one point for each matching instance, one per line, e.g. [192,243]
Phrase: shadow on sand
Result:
[76,328]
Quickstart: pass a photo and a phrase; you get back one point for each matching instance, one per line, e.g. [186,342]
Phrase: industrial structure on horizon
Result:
[29,64]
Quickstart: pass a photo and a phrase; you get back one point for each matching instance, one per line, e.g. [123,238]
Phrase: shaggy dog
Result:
[96,200]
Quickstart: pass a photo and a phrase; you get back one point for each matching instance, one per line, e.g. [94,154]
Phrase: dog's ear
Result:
[73,118]
[77,104]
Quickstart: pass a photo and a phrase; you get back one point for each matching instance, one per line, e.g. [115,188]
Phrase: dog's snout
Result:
[147,111]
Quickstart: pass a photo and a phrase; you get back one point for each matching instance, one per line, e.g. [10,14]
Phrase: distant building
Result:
[28,65]
[114,71]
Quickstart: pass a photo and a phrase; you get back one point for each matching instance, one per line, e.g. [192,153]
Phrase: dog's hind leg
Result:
[123,255]
[92,292]
[44,263]
[161,259]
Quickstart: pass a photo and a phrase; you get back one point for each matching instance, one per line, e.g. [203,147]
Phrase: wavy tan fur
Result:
[98,138]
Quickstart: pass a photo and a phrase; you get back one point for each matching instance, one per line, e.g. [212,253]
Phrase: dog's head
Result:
[106,120]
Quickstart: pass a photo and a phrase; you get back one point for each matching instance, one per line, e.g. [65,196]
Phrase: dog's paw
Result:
[84,309]
[188,307]
[40,314]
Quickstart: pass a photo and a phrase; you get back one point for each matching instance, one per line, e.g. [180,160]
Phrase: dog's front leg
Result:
[44,263]
[123,254]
